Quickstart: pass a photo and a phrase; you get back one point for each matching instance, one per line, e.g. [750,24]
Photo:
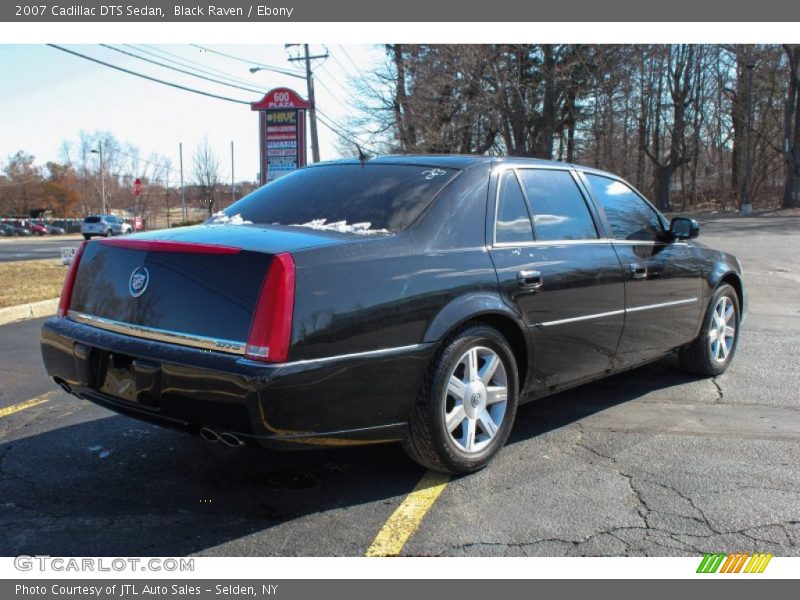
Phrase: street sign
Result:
[137,187]
[67,255]
[282,132]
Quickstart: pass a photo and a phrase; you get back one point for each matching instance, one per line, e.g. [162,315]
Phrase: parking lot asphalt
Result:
[651,462]
[32,248]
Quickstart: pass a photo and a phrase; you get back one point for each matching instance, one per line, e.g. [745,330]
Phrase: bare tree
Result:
[791,140]
[206,173]
[669,130]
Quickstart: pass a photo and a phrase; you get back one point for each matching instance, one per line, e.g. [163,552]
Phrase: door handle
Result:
[529,279]
[638,271]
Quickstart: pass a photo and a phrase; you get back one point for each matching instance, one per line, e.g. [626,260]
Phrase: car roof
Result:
[458,161]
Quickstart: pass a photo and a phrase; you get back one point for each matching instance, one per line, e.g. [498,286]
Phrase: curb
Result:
[34,310]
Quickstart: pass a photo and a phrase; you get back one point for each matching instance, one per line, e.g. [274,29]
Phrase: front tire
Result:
[713,350]
[109,233]
[467,404]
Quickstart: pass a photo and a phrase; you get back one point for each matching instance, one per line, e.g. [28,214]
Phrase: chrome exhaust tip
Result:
[231,439]
[209,434]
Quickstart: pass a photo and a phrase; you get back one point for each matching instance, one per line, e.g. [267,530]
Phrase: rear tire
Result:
[109,233]
[467,404]
[86,236]
[713,350]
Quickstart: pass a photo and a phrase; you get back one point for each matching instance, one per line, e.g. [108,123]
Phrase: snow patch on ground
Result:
[221,218]
[342,227]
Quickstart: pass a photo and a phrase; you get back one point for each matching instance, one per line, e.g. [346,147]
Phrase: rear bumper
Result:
[346,400]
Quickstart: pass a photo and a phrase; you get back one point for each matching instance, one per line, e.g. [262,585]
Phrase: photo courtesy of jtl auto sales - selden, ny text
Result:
[358,300]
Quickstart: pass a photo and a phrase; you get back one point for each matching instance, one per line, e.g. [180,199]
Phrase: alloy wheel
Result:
[722,330]
[475,399]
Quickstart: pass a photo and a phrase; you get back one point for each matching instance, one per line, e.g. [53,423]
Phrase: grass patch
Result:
[30,281]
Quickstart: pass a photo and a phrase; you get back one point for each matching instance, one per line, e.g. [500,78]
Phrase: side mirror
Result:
[683,228]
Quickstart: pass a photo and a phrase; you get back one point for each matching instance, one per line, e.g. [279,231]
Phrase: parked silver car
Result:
[104,225]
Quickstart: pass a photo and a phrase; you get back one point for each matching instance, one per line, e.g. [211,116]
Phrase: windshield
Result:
[366,199]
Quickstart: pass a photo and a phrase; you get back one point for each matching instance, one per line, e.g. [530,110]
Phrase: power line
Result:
[352,62]
[247,61]
[332,93]
[343,135]
[148,77]
[334,79]
[332,120]
[187,63]
[160,64]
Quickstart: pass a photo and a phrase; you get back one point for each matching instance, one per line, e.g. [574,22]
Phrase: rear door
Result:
[562,277]
[662,279]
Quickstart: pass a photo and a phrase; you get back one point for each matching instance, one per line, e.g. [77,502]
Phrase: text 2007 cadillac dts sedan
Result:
[417,299]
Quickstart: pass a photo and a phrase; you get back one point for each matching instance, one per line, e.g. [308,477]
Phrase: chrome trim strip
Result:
[552,243]
[615,312]
[610,313]
[311,361]
[160,335]
[661,305]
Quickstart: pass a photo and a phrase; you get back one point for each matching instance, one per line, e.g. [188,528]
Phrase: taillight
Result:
[271,327]
[69,283]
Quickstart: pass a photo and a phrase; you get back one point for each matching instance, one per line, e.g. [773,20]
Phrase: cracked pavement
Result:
[653,462]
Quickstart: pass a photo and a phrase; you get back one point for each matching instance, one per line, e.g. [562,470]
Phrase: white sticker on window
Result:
[431,173]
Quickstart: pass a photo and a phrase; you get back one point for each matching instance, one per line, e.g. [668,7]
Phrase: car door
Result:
[561,277]
[663,288]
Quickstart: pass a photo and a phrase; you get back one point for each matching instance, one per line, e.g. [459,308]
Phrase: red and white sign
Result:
[282,132]
[137,187]
[281,98]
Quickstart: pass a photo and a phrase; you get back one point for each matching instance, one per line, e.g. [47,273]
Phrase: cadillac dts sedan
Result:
[411,299]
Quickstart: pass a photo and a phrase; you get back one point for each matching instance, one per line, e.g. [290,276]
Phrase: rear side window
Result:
[91,220]
[513,223]
[559,210]
[365,198]
[630,217]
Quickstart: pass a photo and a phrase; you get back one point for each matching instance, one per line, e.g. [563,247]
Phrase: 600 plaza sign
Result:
[282,133]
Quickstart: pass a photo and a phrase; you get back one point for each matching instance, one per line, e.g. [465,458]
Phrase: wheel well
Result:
[513,334]
[733,280]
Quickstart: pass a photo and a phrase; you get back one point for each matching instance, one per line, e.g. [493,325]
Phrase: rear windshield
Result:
[91,220]
[369,198]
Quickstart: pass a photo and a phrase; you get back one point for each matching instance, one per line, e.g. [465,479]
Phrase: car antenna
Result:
[361,155]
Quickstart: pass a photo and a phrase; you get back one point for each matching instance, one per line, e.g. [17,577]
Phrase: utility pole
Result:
[312,113]
[183,192]
[102,175]
[233,179]
[166,193]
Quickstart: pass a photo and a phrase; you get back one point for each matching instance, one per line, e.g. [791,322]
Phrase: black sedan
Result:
[412,299]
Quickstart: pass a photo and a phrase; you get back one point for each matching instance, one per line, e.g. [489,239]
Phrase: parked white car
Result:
[104,225]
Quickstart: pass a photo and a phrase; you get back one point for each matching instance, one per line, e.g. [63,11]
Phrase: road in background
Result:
[651,462]
[35,247]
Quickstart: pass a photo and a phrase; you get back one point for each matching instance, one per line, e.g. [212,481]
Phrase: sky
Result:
[48,96]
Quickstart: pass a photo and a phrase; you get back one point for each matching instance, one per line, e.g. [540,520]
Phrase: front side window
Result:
[559,210]
[365,198]
[630,217]
[513,221]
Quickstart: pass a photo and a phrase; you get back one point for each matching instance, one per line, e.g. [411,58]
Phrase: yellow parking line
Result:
[10,410]
[404,521]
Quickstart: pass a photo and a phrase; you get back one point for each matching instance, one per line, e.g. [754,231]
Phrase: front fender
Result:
[725,267]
